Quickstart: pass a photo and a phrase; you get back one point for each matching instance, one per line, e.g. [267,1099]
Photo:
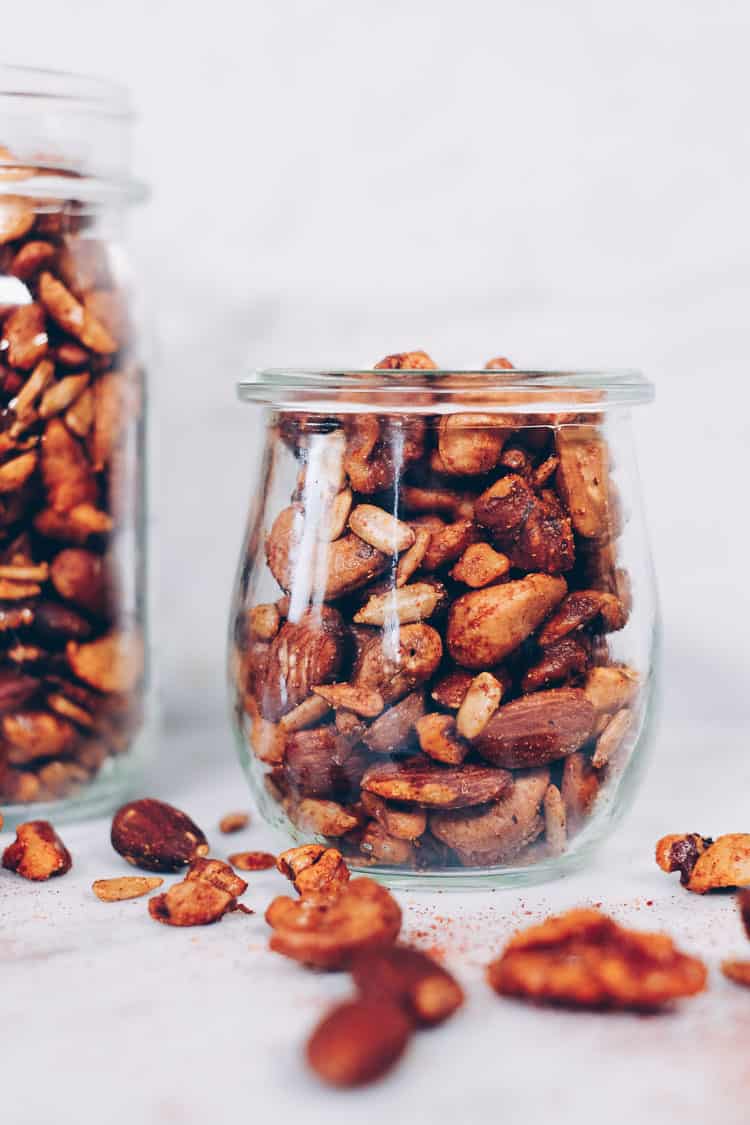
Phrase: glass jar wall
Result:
[73,677]
[443,628]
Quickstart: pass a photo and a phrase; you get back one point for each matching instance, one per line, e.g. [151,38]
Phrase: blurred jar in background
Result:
[73,576]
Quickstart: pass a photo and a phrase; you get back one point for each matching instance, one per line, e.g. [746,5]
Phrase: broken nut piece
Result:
[124,887]
[37,853]
[705,864]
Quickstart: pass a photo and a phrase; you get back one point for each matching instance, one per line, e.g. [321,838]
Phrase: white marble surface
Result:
[108,1016]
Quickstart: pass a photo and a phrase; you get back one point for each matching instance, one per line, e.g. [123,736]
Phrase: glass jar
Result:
[73,678]
[444,624]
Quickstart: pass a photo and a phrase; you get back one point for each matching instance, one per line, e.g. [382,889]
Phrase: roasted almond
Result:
[537,729]
[156,836]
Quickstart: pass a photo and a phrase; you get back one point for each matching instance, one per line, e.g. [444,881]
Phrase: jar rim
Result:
[49,176]
[590,390]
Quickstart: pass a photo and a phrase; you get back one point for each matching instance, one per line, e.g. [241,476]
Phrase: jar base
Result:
[115,783]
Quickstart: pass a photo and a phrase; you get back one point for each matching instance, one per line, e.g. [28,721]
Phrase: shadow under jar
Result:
[444,623]
[72,452]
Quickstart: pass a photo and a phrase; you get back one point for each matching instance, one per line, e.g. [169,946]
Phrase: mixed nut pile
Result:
[581,959]
[434,685]
[71,647]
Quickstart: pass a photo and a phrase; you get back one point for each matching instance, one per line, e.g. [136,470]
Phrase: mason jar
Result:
[73,565]
[443,630]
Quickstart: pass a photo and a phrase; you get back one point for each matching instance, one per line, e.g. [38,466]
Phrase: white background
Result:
[564,183]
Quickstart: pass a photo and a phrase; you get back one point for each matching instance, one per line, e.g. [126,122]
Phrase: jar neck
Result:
[65,137]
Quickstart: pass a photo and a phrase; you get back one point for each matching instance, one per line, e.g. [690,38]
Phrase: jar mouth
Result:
[424,391]
[69,106]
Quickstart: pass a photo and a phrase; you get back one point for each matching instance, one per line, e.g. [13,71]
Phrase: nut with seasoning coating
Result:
[705,864]
[156,836]
[37,853]
[409,977]
[358,1041]
[584,959]
[329,934]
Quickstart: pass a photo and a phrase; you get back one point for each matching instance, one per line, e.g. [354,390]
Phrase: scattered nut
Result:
[329,934]
[425,990]
[156,836]
[705,864]
[252,861]
[358,1042]
[37,853]
[195,903]
[124,887]
[314,870]
[584,959]
[737,971]
[234,822]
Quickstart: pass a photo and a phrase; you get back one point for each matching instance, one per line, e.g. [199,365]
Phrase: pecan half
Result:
[156,836]
[329,934]
[584,959]
[562,661]
[37,852]
[533,530]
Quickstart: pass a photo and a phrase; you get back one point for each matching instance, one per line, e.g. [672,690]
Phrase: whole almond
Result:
[537,729]
[358,1041]
[156,836]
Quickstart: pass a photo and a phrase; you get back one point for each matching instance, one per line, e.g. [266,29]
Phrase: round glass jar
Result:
[73,680]
[444,624]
